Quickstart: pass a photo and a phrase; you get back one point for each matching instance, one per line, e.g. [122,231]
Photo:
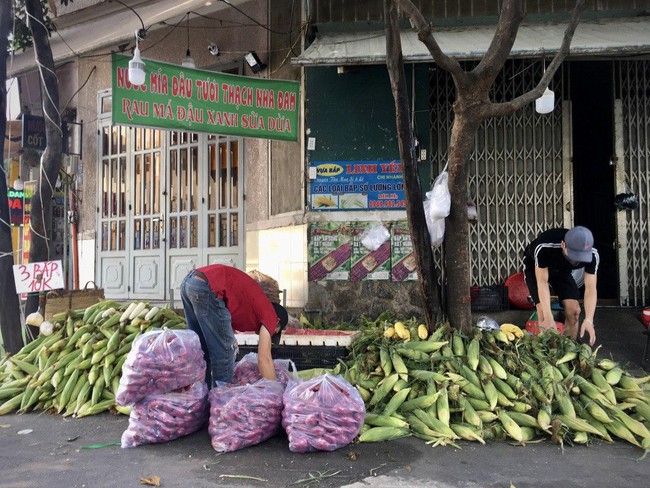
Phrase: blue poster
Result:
[357,185]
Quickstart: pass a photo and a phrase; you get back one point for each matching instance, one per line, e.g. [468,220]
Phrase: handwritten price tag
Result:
[36,277]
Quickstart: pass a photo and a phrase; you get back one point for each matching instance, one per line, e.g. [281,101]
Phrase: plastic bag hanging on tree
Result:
[436,207]
[440,197]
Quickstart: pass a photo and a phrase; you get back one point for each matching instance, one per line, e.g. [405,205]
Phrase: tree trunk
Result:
[414,209]
[41,206]
[456,225]
[10,310]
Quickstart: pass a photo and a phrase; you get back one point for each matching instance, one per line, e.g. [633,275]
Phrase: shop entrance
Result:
[591,95]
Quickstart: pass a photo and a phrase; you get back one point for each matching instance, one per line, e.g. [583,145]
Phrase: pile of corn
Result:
[76,370]
[497,384]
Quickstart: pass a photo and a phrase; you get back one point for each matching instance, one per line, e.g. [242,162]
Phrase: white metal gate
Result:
[519,173]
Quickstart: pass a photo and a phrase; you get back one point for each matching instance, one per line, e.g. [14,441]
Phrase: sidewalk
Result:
[51,453]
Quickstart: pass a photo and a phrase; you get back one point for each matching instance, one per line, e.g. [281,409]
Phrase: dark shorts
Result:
[563,285]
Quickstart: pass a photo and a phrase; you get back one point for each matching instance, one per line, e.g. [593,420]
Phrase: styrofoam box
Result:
[305,337]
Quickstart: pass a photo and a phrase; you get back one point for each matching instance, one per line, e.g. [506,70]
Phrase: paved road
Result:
[52,455]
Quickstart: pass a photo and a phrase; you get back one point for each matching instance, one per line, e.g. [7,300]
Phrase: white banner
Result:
[36,277]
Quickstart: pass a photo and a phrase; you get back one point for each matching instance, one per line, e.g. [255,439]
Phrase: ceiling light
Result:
[188,62]
[254,62]
[137,74]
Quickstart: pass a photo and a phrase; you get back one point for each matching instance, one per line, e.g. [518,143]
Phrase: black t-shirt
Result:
[546,252]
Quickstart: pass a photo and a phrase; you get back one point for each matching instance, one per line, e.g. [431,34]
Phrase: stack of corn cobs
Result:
[443,387]
[76,370]
[493,385]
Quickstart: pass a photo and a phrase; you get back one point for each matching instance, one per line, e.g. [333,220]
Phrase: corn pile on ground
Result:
[76,370]
[499,384]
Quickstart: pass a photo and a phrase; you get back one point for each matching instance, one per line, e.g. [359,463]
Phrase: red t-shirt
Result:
[248,305]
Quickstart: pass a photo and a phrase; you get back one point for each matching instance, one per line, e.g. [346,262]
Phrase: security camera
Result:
[213,49]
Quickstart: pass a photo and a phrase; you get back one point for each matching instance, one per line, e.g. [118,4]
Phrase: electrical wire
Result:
[80,88]
[57,125]
[132,10]
[290,51]
[251,18]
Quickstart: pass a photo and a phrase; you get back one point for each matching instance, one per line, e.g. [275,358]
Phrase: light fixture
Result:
[18,184]
[254,62]
[188,62]
[136,65]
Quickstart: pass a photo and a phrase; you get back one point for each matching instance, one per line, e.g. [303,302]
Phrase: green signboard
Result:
[178,98]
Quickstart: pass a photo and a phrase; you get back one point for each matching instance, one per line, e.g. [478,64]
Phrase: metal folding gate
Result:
[632,145]
[519,172]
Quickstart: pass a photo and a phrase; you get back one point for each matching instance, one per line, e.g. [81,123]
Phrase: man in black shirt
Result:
[549,260]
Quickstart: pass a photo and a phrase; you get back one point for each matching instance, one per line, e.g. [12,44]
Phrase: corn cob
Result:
[617,428]
[467,432]
[434,424]
[378,434]
[396,401]
[378,420]
[511,428]
[442,405]
[420,402]
[383,389]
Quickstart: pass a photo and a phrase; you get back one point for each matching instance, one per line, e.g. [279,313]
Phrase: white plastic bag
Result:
[374,236]
[437,207]
[440,197]
[436,231]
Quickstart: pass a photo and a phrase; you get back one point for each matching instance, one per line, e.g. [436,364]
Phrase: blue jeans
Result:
[208,316]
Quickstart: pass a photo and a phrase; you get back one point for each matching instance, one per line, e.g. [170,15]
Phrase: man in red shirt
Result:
[219,300]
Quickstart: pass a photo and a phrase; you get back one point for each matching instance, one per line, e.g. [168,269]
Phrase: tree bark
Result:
[10,310]
[426,270]
[456,242]
[41,206]
[471,108]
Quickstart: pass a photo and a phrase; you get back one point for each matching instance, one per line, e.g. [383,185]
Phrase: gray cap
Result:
[579,241]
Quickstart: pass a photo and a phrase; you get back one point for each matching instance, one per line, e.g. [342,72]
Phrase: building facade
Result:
[155,203]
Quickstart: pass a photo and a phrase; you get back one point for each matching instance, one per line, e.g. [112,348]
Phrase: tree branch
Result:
[506,108]
[425,35]
[502,41]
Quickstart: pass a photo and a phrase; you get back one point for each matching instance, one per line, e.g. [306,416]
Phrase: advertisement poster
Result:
[16,200]
[329,251]
[357,185]
[370,259]
[403,260]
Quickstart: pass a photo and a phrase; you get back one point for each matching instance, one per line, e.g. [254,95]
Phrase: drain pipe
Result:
[73,218]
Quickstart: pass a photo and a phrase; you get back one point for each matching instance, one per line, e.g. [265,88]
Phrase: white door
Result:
[168,202]
[184,196]
[112,231]
[204,210]
[146,222]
